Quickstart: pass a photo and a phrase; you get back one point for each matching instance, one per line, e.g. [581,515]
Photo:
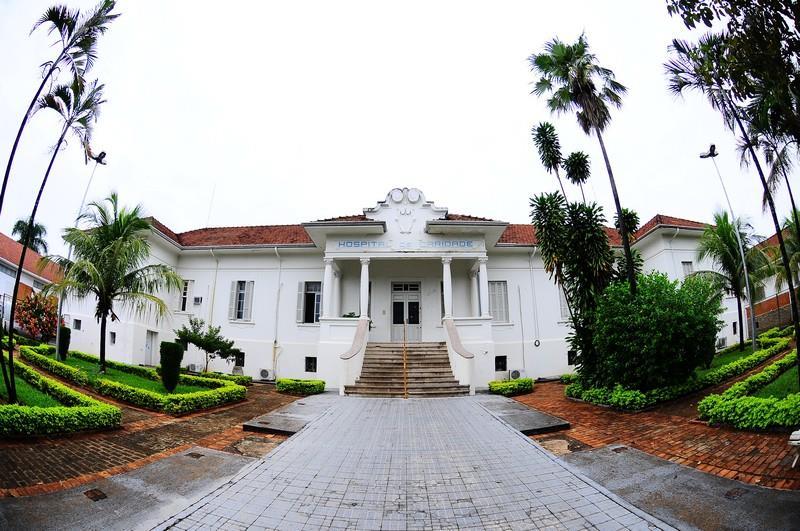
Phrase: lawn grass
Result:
[783,385]
[92,370]
[724,359]
[28,395]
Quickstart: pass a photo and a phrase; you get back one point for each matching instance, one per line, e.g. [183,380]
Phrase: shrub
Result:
[171,357]
[38,358]
[568,378]
[79,411]
[299,387]
[38,315]
[511,387]
[656,338]
[63,342]
[235,378]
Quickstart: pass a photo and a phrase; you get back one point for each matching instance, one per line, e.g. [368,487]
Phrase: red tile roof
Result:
[660,220]
[258,235]
[517,234]
[10,250]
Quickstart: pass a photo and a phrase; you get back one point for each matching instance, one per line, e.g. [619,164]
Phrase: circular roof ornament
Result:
[397,195]
[413,195]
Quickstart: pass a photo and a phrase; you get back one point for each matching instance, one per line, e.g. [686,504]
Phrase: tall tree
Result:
[77,105]
[546,140]
[578,169]
[110,264]
[705,67]
[575,82]
[35,235]
[720,245]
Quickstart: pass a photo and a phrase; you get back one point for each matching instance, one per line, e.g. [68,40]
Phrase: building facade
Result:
[302,301]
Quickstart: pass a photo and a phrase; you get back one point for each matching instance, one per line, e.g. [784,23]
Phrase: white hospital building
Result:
[311,300]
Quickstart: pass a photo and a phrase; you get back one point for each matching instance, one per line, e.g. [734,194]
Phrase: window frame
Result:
[77,324]
[317,311]
[493,302]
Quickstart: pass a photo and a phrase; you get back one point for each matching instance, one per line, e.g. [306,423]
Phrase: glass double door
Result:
[406,308]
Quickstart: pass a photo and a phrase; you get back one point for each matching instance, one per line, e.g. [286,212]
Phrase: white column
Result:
[327,288]
[473,293]
[337,294]
[447,284]
[484,286]
[364,299]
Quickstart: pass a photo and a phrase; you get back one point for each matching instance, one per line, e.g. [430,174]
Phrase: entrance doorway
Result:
[149,347]
[406,308]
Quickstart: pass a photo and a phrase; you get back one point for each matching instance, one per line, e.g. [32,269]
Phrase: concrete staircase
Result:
[429,372]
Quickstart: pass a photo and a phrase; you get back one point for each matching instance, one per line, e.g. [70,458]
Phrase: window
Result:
[500,363]
[37,284]
[309,301]
[8,270]
[112,338]
[186,295]
[688,268]
[76,324]
[734,327]
[311,364]
[572,357]
[241,302]
[498,300]
[562,302]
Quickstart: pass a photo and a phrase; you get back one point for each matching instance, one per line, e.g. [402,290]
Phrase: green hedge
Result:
[511,387]
[736,408]
[235,378]
[300,387]
[219,391]
[78,413]
[632,399]
[37,357]
[569,378]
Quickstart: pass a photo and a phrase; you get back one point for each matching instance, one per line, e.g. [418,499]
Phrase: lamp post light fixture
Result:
[712,154]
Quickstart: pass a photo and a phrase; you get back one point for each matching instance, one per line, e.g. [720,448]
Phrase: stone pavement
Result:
[410,464]
[757,458]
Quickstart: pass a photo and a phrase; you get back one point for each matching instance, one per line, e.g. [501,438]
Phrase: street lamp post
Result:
[712,154]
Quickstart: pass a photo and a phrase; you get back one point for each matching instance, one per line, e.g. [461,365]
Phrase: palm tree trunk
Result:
[561,184]
[103,325]
[582,194]
[741,330]
[626,245]
[775,221]
[17,279]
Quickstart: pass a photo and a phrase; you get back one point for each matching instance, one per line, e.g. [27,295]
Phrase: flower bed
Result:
[737,408]
[299,387]
[78,412]
[633,399]
[215,391]
[511,387]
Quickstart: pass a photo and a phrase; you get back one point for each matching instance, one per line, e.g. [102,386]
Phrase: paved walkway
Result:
[757,458]
[410,464]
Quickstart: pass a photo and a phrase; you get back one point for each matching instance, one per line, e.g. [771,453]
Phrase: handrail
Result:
[455,339]
[359,340]
[405,358]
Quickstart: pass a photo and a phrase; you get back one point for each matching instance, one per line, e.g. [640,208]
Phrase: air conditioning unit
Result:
[193,367]
[516,374]
[267,374]
[198,301]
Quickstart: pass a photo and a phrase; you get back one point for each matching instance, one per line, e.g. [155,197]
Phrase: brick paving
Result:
[46,465]
[409,464]
[758,458]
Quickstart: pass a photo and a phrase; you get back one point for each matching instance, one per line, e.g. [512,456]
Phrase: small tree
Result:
[171,356]
[37,314]
[206,338]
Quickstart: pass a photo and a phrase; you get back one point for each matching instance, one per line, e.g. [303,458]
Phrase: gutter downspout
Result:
[533,294]
[275,346]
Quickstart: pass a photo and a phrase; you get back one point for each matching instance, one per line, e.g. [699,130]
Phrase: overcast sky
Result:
[285,112]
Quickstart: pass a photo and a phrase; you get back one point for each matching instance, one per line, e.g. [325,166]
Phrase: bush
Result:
[568,378]
[511,387]
[63,342]
[235,378]
[299,387]
[38,315]
[171,357]
[656,338]
[79,411]
[40,359]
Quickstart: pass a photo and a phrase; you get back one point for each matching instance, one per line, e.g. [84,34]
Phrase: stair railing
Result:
[405,359]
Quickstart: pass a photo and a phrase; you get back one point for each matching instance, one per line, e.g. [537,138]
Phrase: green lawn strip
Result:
[725,358]
[785,384]
[28,395]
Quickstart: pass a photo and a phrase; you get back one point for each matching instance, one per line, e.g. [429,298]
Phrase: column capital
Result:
[483,260]
[328,261]
[364,261]
[446,259]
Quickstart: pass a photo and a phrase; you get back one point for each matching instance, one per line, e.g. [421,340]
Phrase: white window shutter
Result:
[300,297]
[189,295]
[248,300]
[232,304]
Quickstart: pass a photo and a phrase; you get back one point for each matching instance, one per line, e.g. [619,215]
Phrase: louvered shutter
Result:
[248,301]
[232,303]
[498,301]
[300,296]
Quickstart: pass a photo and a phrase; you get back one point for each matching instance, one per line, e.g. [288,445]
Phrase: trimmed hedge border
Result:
[78,413]
[299,387]
[511,387]
[635,400]
[736,408]
[235,378]
[219,392]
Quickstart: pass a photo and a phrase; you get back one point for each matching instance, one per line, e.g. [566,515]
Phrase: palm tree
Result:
[719,244]
[77,38]
[111,264]
[575,82]
[792,241]
[578,169]
[35,236]
[546,140]
[704,67]
[78,106]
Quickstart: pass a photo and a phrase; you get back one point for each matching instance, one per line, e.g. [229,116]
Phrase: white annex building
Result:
[306,301]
